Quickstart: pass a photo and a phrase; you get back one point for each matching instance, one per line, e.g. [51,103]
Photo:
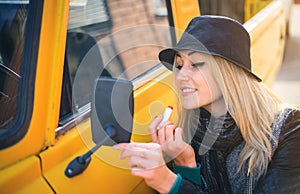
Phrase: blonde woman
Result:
[235,135]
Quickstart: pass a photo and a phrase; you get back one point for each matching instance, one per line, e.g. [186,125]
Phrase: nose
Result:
[182,74]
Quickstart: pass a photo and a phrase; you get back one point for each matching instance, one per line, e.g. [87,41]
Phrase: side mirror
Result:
[112,107]
[111,118]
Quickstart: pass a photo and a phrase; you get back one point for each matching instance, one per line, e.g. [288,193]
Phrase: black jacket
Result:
[283,174]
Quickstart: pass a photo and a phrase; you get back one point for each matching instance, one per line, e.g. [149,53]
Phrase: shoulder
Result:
[289,138]
[291,124]
[283,174]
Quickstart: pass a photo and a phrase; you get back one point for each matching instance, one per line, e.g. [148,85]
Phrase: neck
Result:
[217,107]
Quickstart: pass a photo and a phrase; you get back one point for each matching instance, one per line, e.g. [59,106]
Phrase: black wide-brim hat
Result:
[213,35]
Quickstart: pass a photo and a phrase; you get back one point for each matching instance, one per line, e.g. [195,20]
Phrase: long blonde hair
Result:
[253,106]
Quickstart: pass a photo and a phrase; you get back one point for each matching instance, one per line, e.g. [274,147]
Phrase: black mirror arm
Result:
[80,163]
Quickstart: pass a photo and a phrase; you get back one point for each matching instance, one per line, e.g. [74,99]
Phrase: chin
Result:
[189,106]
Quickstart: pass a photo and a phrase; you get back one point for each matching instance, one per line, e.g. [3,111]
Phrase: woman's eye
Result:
[179,66]
[198,64]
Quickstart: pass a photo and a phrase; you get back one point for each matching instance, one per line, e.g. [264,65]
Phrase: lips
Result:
[186,91]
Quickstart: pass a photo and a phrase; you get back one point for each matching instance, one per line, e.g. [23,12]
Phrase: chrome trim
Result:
[149,75]
[84,112]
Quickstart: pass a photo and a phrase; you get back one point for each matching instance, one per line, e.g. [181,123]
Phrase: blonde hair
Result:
[253,106]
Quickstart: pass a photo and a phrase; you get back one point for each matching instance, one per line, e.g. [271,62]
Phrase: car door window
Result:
[19,34]
[110,38]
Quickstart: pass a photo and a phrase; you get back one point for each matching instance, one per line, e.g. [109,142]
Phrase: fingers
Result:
[153,128]
[137,163]
[178,135]
[166,133]
[130,150]
[161,135]
[141,156]
[143,150]
[145,163]
[169,131]
[161,132]
[121,146]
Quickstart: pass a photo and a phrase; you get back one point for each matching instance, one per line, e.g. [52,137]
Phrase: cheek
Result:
[205,91]
[202,83]
[214,90]
[176,79]
[208,88]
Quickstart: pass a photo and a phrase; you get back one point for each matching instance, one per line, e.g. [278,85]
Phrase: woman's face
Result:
[196,83]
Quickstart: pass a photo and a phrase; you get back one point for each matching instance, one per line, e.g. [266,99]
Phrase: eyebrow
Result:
[189,53]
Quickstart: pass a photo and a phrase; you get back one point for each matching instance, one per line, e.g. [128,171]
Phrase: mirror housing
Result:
[111,118]
[112,105]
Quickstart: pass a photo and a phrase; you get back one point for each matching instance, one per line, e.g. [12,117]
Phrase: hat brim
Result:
[167,57]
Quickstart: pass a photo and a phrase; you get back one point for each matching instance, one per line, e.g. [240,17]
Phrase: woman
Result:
[235,135]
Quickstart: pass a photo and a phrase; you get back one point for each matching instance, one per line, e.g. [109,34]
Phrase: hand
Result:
[146,161]
[171,141]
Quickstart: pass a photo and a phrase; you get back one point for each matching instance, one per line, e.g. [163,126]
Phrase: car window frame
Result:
[25,100]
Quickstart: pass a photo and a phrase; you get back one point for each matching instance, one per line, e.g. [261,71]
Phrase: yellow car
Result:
[51,52]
